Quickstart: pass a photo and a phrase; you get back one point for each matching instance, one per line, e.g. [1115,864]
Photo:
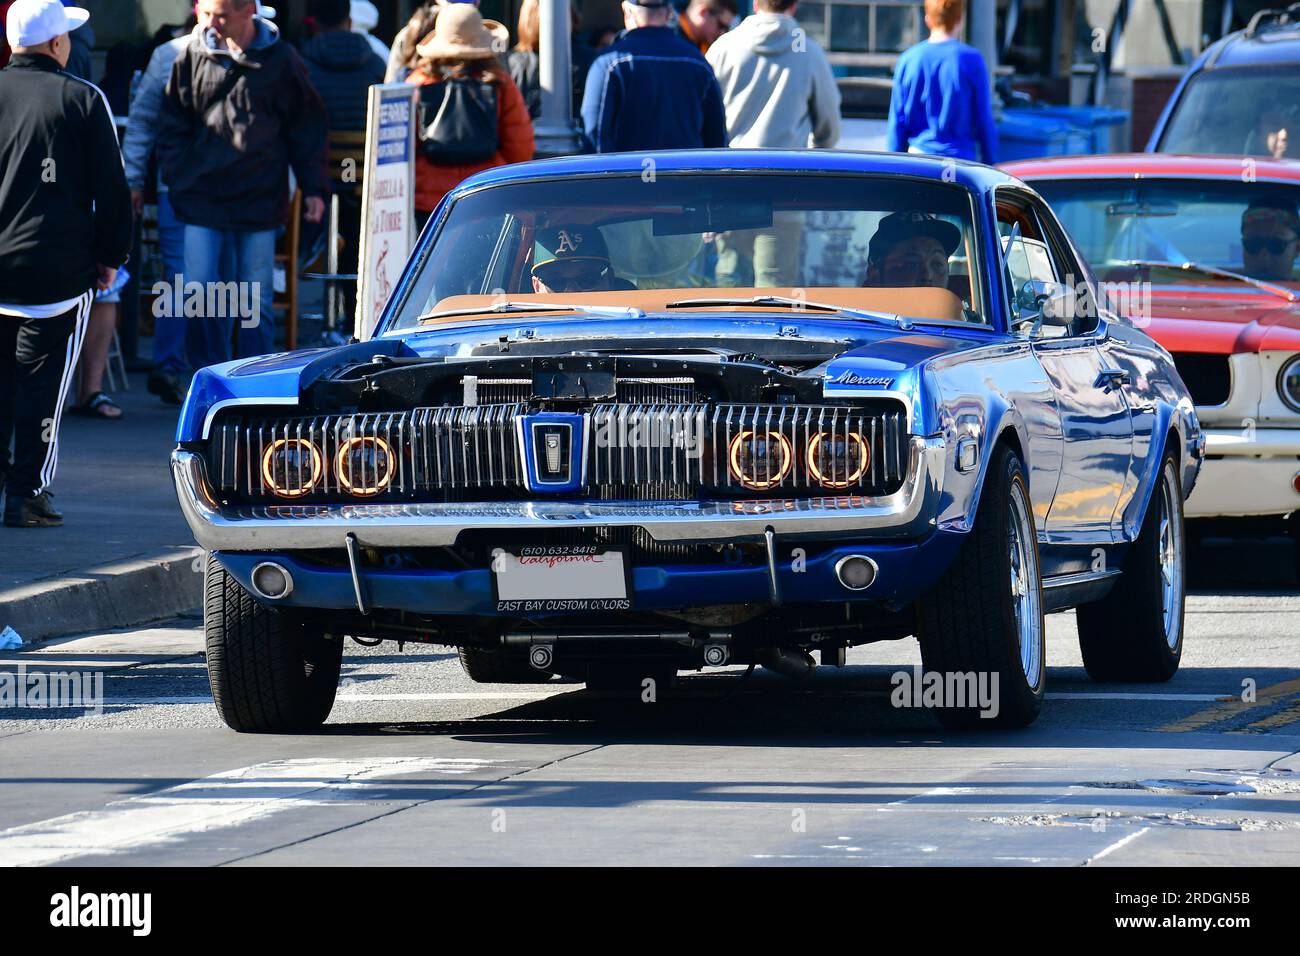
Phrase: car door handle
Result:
[1112,377]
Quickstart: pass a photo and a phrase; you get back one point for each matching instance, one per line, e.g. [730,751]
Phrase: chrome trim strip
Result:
[908,512]
[228,402]
[1082,577]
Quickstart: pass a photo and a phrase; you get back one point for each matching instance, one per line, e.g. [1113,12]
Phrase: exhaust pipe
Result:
[795,664]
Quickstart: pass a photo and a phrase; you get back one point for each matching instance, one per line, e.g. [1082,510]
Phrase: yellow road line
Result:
[1283,717]
[1230,707]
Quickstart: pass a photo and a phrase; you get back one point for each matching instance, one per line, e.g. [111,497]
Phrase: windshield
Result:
[642,243]
[1247,228]
[1238,111]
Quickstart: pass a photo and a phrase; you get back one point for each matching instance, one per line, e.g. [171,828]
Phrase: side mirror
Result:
[1045,303]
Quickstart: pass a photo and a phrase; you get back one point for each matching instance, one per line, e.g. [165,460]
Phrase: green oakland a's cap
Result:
[562,243]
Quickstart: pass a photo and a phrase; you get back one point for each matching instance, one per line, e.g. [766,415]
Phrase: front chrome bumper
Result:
[908,512]
[1247,472]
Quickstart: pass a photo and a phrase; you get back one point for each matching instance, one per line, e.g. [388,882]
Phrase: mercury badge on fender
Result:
[750,407]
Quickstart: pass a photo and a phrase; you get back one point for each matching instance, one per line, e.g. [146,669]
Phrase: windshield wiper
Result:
[1277,290]
[505,307]
[791,302]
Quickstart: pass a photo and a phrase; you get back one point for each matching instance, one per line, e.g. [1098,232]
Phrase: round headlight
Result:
[760,460]
[364,465]
[1288,383]
[291,466]
[837,459]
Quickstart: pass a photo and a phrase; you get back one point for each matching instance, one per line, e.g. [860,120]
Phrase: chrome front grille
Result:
[634,446]
[636,451]
[435,450]
[808,447]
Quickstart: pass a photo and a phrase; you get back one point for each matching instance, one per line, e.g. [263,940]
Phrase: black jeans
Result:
[38,361]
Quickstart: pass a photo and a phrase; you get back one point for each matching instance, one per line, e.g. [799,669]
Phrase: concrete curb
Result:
[122,594]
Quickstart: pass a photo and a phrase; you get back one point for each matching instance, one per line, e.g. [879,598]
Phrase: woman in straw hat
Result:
[464,46]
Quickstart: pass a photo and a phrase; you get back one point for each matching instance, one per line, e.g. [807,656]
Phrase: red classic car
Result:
[1200,251]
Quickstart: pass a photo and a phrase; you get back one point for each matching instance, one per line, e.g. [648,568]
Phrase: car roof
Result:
[1273,37]
[1154,166]
[973,176]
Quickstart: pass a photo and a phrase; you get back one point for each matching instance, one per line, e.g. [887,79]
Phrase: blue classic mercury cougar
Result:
[626,415]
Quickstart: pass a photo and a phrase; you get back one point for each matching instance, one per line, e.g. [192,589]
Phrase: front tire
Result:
[985,615]
[269,670]
[1135,633]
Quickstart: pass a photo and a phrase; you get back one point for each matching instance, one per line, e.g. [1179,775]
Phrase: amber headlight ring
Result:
[829,481]
[752,482]
[378,482]
[304,487]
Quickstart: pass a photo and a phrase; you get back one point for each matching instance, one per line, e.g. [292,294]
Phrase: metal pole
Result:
[554,129]
[982,30]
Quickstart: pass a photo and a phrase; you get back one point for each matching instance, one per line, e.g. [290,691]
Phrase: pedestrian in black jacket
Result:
[342,65]
[65,228]
[239,110]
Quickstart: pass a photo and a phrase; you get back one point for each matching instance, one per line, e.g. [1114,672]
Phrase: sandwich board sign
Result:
[387,199]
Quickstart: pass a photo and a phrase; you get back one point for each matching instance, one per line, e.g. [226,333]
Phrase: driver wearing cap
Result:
[911,249]
[571,259]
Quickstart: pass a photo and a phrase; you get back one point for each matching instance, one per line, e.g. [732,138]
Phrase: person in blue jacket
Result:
[652,89]
[941,102]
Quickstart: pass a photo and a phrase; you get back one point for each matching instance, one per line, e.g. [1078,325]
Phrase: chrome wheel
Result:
[1171,559]
[1026,595]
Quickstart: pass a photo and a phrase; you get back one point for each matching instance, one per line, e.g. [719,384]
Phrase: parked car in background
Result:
[1214,255]
[1242,95]
[584,442]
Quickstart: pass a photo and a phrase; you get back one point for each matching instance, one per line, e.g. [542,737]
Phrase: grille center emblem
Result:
[553,450]
[553,453]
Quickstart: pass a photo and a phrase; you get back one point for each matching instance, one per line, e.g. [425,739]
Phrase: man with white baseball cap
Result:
[32,24]
[65,228]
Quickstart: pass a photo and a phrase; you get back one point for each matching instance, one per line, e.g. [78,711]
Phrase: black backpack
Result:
[458,121]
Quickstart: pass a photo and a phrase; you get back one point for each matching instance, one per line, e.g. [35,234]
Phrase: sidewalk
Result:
[124,555]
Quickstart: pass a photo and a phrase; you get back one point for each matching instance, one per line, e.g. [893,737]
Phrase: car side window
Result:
[1027,258]
[1069,271]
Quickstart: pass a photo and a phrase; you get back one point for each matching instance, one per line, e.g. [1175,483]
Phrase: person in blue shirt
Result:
[651,89]
[941,102]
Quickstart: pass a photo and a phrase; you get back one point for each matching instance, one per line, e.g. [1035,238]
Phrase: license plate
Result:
[561,579]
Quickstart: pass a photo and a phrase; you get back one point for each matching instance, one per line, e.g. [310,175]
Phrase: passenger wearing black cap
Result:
[652,89]
[911,249]
[571,259]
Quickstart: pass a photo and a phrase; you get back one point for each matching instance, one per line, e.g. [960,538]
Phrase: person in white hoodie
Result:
[778,91]
[776,82]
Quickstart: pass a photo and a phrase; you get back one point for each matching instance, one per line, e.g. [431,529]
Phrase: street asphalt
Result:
[419,765]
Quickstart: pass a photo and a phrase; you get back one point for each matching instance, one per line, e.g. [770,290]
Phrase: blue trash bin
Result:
[1027,134]
[1098,122]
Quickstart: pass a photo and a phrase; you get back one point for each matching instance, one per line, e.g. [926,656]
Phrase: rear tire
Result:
[492,667]
[1135,633]
[270,672]
[985,615]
